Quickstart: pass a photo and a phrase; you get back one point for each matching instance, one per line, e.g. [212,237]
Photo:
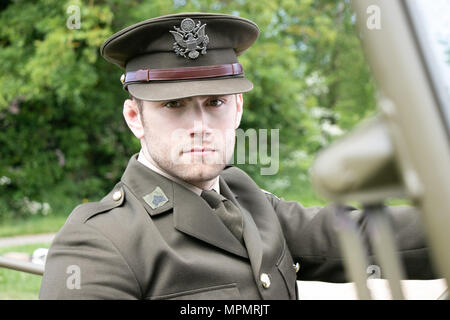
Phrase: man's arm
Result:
[312,238]
[84,264]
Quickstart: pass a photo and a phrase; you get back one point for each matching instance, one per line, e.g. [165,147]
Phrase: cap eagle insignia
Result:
[190,39]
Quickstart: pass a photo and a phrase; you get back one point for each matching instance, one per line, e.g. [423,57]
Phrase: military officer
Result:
[181,224]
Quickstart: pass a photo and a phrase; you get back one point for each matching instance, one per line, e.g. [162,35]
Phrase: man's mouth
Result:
[200,150]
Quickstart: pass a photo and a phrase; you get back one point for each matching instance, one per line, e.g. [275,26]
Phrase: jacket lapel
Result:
[191,214]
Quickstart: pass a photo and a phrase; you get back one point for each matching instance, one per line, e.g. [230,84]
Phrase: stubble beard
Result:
[194,171]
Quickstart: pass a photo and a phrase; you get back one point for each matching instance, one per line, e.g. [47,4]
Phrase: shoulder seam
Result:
[118,251]
[103,206]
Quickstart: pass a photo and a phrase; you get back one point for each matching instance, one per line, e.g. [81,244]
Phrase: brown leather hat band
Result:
[146,75]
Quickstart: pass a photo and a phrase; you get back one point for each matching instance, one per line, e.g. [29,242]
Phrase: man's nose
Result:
[199,124]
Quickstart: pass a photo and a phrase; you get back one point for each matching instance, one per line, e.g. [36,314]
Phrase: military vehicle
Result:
[405,151]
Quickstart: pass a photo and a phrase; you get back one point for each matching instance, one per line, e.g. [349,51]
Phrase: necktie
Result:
[227,211]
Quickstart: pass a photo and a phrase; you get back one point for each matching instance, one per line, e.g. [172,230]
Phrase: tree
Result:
[63,137]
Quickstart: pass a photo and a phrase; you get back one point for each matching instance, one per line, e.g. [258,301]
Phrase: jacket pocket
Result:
[221,292]
[286,267]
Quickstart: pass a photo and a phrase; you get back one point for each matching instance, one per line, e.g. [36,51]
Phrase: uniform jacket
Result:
[121,248]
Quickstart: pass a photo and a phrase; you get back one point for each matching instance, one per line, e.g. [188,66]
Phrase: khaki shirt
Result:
[128,247]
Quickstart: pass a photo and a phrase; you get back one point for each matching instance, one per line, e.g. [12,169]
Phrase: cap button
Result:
[117,195]
[265,280]
[122,78]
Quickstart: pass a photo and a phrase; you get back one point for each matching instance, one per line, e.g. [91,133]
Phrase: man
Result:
[181,224]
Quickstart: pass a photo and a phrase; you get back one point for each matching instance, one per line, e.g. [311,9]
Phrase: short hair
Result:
[139,102]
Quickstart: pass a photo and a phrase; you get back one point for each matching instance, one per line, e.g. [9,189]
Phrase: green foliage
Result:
[62,131]
[16,285]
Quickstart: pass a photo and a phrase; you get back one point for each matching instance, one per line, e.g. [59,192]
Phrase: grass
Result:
[16,285]
[32,225]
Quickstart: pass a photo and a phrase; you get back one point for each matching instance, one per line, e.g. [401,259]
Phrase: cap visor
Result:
[159,91]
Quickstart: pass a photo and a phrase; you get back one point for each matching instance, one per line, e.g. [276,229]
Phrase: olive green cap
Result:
[182,55]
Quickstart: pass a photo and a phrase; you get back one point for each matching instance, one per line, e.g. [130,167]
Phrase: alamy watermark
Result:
[259,149]
[74,19]
[373,21]
[73,281]
[373,272]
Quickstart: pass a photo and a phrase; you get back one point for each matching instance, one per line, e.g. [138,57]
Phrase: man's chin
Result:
[198,172]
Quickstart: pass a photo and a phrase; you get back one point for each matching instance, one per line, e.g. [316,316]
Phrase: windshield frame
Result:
[428,56]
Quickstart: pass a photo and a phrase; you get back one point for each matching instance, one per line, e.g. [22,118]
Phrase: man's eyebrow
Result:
[201,97]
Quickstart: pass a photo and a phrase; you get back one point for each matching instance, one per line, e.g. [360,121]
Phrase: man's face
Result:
[191,138]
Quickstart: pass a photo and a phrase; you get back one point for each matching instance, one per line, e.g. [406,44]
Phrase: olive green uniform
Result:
[125,249]
[152,238]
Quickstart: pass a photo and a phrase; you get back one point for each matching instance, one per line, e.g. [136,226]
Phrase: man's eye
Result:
[215,102]
[173,104]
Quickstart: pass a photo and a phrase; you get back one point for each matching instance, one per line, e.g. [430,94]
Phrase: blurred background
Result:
[63,140]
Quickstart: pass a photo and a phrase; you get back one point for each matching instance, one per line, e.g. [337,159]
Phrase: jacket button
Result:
[117,195]
[265,280]
[296,267]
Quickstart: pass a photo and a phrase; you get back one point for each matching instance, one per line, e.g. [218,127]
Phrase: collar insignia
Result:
[156,199]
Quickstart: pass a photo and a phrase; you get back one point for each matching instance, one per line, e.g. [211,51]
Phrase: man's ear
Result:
[133,118]
[239,109]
